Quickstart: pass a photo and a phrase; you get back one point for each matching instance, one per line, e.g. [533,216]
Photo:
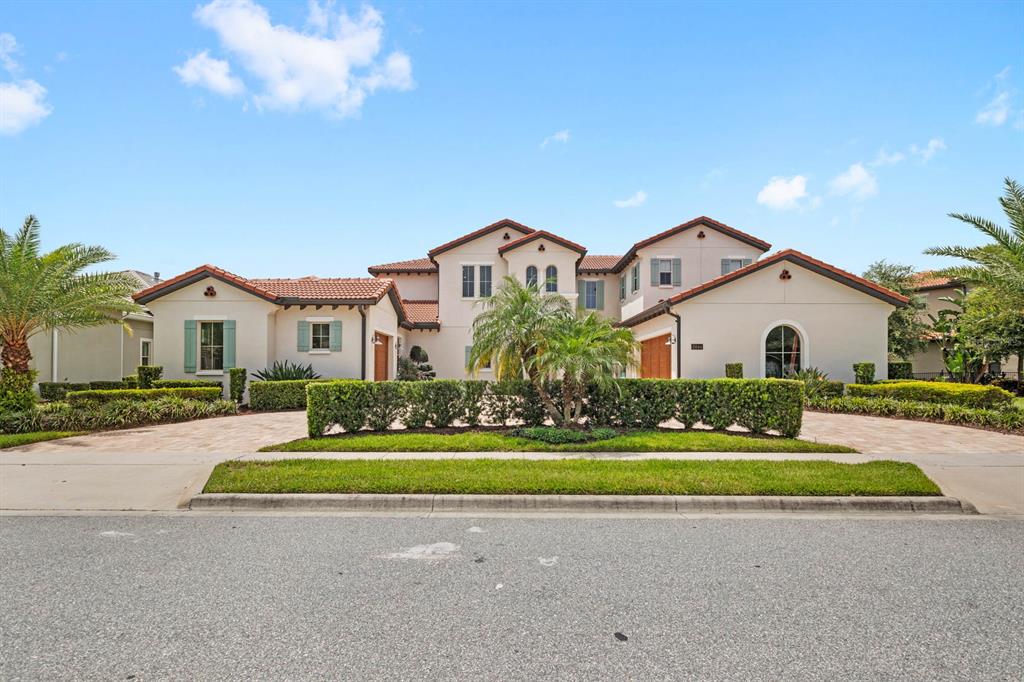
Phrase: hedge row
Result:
[117,414]
[185,383]
[279,395]
[965,395]
[92,398]
[1011,420]
[756,404]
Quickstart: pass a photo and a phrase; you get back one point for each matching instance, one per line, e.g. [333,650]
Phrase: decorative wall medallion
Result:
[210,291]
[700,235]
[785,275]
[540,248]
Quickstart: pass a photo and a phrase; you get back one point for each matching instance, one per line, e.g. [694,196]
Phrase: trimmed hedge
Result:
[118,414]
[864,372]
[289,394]
[965,395]
[187,383]
[58,390]
[236,383]
[831,389]
[734,370]
[759,405]
[1010,420]
[147,374]
[87,398]
[901,370]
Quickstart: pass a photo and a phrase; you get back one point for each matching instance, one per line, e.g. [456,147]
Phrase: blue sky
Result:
[290,139]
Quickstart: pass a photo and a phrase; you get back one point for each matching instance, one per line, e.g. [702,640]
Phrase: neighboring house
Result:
[933,288]
[105,353]
[698,296]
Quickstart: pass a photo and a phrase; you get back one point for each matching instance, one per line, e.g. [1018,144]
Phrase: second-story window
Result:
[485,281]
[635,276]
[468,284]
[531,275]
[622,288]
[665,272]
[551,279]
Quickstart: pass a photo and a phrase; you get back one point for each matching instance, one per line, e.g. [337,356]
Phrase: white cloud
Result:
[22,101]
[783,193]
[24,105]
[209,73]
[856,181]
[999,108]
[636,200]
[333,68]
[934,146]
[561,136]
[884,158]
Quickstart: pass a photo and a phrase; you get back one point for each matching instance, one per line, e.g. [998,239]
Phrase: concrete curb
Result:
[650,504]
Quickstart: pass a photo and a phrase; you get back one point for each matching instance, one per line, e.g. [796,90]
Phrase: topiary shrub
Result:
[131,381]
[148,374]
[901,370]
[16,394]
[734,370]
[864,372]
[966,395]
[236,384]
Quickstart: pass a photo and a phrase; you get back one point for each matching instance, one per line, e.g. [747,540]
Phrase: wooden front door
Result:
[381,353]
[656,358]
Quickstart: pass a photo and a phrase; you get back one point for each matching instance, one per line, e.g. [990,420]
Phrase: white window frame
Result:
[661,270]
[476,279]
[634,278]
[143,342]
[805,348]
[587,282]
[739,258]
[319,320]
[200,321]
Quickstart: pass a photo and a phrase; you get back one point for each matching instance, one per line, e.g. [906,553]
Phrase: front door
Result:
[381,349]
[656,358]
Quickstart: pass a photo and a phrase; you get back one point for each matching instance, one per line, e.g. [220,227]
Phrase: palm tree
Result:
[583,351]
[50,291]
[998,265]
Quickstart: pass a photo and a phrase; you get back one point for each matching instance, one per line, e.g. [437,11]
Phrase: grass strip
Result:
[13,440]
[571,477]
[491,441]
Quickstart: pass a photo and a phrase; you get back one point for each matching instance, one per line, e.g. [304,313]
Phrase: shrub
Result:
[94,398]
[236,384]
[473,393]
[503,400]
[106,385]
[554,435]
[966,395]
[901,370]
[864,372]
[1010,419]
[444,399]
[16,394]
[279,395]
[815,382]
[131,381]
[58,390]
[417,413]
[632,403]
[187,383]
[1015,386]
[148,374]
[286,371]
[60,416]
[734,370]
[386,406]
[831,389]
[344,403]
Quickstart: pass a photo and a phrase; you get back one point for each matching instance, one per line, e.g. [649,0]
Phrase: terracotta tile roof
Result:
[326,288]
[421,312]
[792,255]
[504,223]
[195,274]
[922,281]
[538,234]
[702,220]
[414,265]
[598,263]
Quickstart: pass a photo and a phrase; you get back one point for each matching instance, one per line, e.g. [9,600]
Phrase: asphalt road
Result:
[244,597]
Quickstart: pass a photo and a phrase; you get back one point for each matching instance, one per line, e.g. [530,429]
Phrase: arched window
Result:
[782,351]
[551,279]
[531,275]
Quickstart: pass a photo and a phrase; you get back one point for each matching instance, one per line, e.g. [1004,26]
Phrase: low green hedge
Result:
[1010,419]
[279,395]
[901,370]
[187,383]
[117,414]
[965,395]
[756,404]
[734,370]
[58,390]
[86,398]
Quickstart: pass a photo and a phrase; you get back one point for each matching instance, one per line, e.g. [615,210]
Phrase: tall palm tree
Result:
[40,291]
[582,351]
[998,265]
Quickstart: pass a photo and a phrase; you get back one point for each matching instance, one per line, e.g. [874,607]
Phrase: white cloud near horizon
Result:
[856,181]
[783,194]
[561,136]
[22,101]
[212,74]
[333,67]
[997,111]
[638,198]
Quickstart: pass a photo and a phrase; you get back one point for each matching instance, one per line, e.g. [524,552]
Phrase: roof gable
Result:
[503,224]
[542,234]
[414,266]
[702,221]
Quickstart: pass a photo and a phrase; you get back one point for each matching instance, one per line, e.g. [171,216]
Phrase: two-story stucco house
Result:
[698,295]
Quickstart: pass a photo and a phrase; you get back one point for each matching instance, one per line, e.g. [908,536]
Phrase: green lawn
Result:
[13,440]
[492,441]
[571,477]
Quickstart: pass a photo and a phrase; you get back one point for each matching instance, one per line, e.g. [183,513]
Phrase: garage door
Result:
[656,358]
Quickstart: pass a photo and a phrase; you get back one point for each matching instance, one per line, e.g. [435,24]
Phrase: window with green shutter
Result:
[190,346]
[336,336]
[302,336]
[622,288]
[229,344]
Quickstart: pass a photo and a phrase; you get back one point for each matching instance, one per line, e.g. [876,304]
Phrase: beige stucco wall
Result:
[838,325]
[328,364]
[105,353]
[415,287]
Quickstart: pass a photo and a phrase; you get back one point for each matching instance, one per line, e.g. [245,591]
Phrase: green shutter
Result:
[677,272]
[336,335]
[655,272]
[725,266]
[190,346]
[600,295]
[229,344]
[581,294]
[302,334]
[622,288]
